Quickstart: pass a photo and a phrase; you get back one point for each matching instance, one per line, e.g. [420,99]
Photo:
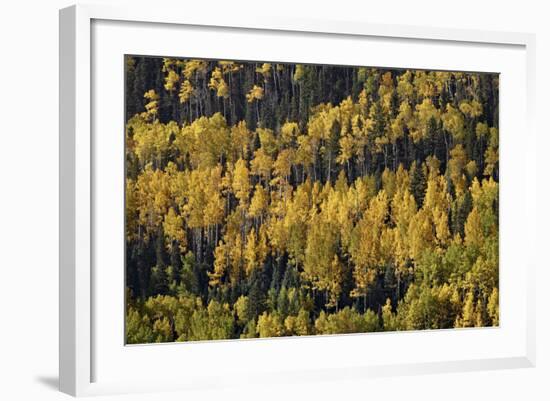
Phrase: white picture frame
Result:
[79,317]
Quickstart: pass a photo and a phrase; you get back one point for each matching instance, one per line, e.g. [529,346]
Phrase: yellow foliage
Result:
[256,93]
[186,91]
[265,70]
[425,111]
[174,230]
[218,84]
[241,182]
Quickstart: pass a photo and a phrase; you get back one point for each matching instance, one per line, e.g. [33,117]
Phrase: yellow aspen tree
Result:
[385,91]
[170,80]
[389,183]
[492,307]
[365,248]
[193,67]
[270,325]
[153,198]
[482,130]
[221,263]
[298,73]
[405,88]
[333,282]
[256,93]
[218,84]
[229,67]
[241,141]
[473,232]
[289,132]
[295,224]
[265,70]
[420,234]
[346,111]
[214,206]
[457,164]
[479,314]
[152,106]
[307,149]
[237,258]
[491,153]
[319,256]
[268,141]
[424,112]
[194,207]
[441,224]
[174,230]
[250,255]
[241,182]
[453,122]
[388,317]
[401,121]
[283,164]
[403,209]
[298,325]
[402,177]
[259,203]
[425,83]
[471,169]
[186,91]
[471,109]
[468,318]
[261,165]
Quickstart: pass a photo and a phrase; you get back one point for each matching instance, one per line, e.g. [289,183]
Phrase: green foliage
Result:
[345,321]
[138,328]
[270,325]
[427,308]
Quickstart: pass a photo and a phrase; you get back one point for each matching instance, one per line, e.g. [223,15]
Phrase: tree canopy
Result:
[268,199]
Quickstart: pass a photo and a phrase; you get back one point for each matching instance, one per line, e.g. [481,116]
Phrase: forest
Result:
[269,199]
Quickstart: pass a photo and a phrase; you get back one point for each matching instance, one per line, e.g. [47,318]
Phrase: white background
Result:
[28,200]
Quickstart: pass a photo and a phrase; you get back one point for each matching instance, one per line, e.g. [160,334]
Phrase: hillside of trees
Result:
[268,199]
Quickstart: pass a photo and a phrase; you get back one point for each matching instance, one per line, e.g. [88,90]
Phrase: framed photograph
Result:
[278,199]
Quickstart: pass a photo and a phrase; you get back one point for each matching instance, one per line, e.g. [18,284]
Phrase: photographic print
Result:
[267,199]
